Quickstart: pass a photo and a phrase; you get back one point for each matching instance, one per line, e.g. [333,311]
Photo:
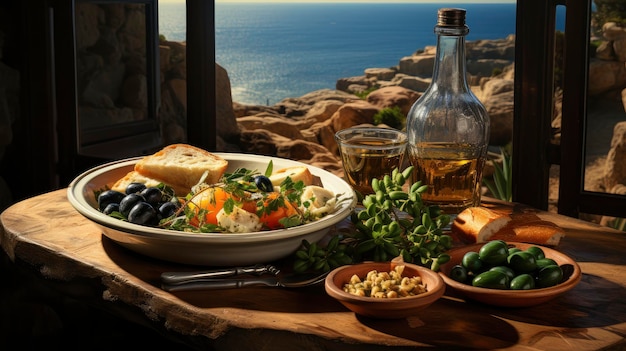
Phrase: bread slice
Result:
[535,232]
[136,177]
[296,173]
[182,166]
[478,224]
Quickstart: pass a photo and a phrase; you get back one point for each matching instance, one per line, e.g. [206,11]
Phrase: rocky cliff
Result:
[302,128]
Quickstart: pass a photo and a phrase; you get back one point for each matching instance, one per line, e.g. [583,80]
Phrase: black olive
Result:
[142,213]
[168,209]
[134,188]
[112,207]
[263,183]
[152,195]
[128,202]
[109,197]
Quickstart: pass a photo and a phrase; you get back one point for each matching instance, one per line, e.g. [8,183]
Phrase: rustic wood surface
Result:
[47,235]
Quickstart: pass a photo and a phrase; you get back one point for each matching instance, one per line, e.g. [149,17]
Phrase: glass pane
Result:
[115,76]
[173,54]
[606,118]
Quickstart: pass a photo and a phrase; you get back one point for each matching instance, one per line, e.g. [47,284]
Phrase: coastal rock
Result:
[611,31]
[394,96]
[299,106]
[605,51]
[492,87]
[227,128]
[302,128]
[500,109]
[282,126]
[615,168]
[417,65]
[410,82]
[486,67]
[616,38]
[353,113]
[323,110]
[605,76]
[380,73]
[264,142]
[492,49]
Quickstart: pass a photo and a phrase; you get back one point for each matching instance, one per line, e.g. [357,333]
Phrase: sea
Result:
[274,51]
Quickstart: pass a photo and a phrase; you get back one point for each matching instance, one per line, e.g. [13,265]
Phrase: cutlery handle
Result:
[214,284]
[175,278]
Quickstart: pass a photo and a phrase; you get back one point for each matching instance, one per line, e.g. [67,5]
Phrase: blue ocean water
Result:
[277,50]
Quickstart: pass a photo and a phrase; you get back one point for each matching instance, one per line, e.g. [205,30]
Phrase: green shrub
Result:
[609,11]
[391,116]
[501,186]
[363,94]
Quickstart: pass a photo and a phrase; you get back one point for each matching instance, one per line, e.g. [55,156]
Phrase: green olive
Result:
[494,252]
[523,282]
[549,276]
[546,262]
[504,269]
[513,250]
[491,280]
[472,262]
[459,273]
[522,262]
[537,252]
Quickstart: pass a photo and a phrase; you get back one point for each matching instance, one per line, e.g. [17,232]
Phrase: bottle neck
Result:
[449,71]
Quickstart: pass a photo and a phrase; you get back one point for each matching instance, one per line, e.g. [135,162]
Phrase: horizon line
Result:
[355,1]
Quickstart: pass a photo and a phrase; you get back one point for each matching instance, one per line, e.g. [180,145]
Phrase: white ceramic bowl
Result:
[210,249]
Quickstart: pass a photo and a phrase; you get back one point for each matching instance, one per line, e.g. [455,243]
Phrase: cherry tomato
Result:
[210,199]
[275,208]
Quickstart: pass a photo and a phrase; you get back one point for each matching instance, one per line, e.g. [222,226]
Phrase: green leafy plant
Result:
[363,94]
[392,223]
[501,186]
[391,116]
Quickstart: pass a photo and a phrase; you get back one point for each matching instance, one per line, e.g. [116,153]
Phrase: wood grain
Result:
[46,234]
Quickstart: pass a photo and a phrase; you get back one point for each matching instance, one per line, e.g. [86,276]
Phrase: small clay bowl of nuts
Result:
[386,290]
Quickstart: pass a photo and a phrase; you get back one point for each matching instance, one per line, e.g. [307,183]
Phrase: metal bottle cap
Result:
[451,17]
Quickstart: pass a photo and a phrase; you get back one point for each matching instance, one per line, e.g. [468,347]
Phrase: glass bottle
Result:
[448,127]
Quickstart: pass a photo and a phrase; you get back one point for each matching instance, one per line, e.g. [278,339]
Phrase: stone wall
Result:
[111,72]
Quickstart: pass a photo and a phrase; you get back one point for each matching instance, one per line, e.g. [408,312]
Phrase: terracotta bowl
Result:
[513,298]
[387,308]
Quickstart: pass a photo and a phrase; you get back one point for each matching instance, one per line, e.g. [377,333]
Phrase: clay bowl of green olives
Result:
[509,274]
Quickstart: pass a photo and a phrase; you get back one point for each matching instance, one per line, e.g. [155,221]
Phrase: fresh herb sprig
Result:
[393,222]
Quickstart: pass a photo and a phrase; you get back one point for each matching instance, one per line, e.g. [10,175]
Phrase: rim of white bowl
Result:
[77,186]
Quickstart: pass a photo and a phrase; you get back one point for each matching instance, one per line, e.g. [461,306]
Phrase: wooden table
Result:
[45,235]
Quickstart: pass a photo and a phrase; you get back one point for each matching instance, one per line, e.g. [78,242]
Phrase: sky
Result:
[371,1]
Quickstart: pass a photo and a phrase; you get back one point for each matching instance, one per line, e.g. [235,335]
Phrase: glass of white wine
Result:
[368,153]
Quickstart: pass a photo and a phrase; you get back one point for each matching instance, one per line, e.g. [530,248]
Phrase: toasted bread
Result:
[296,173]
[182,166]
[534,232]
[479,224]
[136,177]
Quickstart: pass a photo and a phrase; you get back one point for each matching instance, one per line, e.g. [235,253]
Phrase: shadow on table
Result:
[599,298]
[450,323]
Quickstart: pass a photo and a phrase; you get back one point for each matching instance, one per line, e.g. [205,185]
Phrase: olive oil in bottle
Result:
[448,127]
